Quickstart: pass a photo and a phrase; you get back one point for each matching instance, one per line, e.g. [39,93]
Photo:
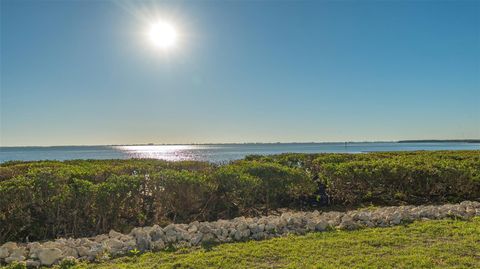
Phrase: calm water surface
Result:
[213,153]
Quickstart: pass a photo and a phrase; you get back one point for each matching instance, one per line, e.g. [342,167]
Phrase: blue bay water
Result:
[211,152]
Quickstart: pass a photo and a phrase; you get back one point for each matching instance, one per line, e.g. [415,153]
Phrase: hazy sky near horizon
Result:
[83,72]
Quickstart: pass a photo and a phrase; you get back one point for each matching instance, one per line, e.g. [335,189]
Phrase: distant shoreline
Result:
[441,141]
[260,143]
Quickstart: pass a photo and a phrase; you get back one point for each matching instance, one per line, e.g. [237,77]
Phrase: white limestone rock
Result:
[32,263]
[113,246]
[196,239]
[115,234]
[49,256]
[4,253]
[82,251]
[158,245]
[6,249]
[14,259]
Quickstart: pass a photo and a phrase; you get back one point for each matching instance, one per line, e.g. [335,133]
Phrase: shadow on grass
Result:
[208,245]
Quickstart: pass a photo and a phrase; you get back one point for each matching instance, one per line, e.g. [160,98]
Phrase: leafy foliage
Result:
[393,178]
[47,199]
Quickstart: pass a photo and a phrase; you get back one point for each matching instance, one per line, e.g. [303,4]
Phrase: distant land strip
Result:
[442,141]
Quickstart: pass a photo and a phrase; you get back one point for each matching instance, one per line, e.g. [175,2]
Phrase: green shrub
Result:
[246,185]
[235,191]
[47,199]
[179,195]
[399,178]
[278,184]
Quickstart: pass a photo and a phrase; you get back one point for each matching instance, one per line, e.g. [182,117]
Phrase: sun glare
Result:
[163,35]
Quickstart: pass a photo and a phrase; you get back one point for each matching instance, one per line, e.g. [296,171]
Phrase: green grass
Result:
[442,244]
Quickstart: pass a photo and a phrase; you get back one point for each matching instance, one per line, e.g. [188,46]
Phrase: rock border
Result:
[156,238]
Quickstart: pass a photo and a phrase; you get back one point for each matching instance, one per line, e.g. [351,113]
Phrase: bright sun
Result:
[163,35]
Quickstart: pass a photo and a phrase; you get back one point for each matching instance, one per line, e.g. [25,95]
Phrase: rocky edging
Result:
[156,238]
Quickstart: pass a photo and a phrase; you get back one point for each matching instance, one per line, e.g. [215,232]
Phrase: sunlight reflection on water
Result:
[217,153]
[165,152]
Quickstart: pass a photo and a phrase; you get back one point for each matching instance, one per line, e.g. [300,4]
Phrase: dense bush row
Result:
[77,198]
[391,178]
[46,199]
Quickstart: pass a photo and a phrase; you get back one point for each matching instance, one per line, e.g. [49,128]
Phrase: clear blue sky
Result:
[82,72]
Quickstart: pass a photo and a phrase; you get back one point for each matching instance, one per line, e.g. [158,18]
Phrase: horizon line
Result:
[474,140]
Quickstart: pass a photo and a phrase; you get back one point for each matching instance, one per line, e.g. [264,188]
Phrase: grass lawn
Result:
[444,243]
